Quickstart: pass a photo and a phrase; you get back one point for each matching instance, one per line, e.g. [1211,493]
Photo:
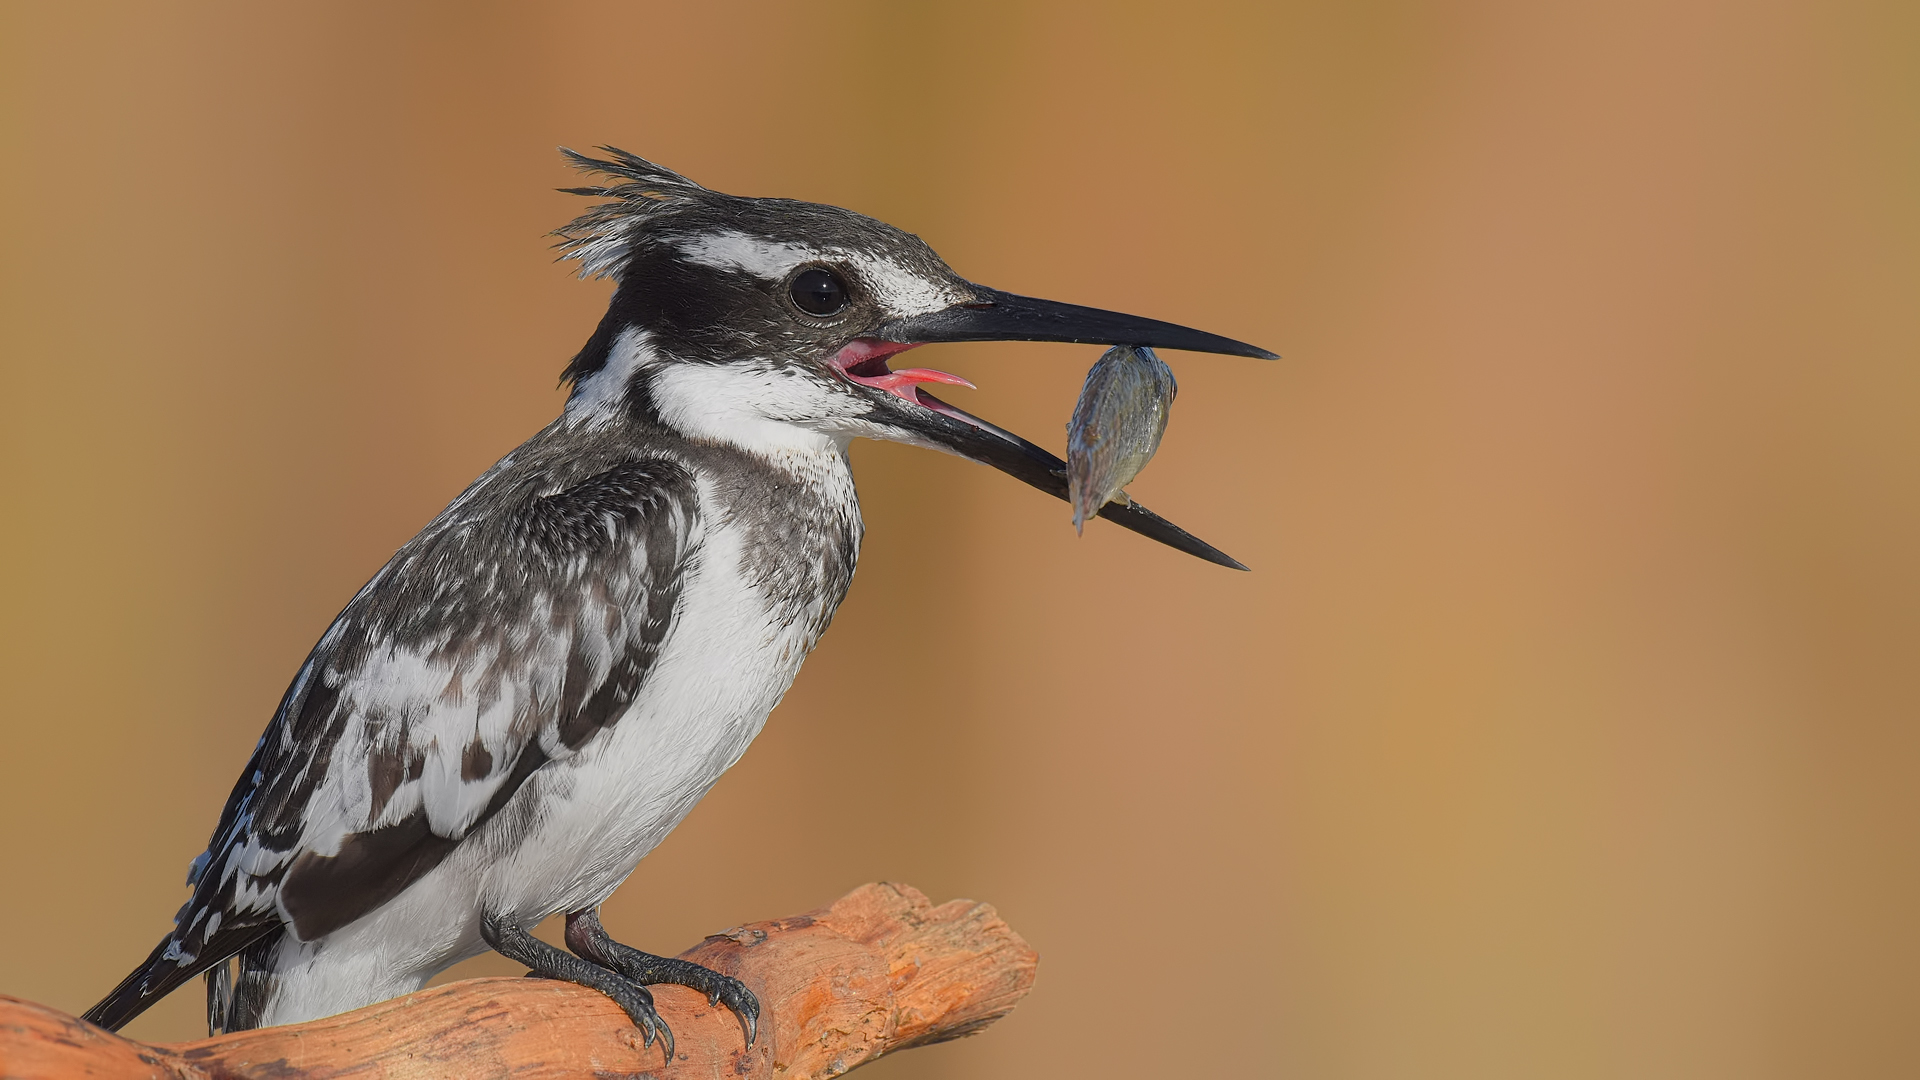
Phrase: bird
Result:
[541,684]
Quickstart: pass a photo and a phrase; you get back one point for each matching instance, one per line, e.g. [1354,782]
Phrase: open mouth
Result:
[864,361]
[940,426]
[992,315]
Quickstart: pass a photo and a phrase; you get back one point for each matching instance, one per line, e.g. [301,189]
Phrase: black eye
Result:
[818,292]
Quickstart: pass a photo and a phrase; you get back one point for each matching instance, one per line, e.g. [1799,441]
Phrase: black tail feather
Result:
[160,975]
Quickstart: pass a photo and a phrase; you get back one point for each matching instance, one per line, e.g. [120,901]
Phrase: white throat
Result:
[763,408]
[740,405]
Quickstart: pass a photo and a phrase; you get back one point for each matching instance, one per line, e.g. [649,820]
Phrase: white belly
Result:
[725,666]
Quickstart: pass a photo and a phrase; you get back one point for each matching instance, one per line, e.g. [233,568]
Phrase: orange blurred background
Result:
[1566,725]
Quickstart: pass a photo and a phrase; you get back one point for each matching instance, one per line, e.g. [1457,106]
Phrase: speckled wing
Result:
[515,627]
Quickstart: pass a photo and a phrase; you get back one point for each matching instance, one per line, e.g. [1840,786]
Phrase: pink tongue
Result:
[901,383]
[898,383]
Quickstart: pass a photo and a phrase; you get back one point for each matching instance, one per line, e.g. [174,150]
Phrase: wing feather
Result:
[511,631]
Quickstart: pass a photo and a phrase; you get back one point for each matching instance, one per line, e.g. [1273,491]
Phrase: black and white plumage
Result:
[541,684]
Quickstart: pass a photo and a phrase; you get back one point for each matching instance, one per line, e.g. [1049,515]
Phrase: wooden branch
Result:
[879,970]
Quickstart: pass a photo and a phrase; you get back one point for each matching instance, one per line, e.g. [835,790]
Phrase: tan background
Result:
[1566,726]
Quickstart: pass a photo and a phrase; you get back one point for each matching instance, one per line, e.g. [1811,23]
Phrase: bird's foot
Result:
[588,938]
[545,961]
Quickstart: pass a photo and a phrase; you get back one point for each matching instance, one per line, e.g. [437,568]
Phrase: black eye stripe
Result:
[818,291]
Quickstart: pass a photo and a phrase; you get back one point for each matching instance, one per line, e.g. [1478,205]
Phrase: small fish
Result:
[1116,427]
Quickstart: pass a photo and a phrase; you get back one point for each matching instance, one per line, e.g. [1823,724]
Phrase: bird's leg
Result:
[587,937]
[515,943]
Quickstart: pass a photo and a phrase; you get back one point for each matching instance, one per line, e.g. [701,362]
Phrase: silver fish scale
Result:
[1116,427]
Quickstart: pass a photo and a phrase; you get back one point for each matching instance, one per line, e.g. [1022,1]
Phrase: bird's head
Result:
[770,324]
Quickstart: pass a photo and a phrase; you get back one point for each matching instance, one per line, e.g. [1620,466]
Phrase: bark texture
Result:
[879,970]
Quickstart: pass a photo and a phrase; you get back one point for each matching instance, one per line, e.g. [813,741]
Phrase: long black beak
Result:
[1005,316]
[971,437]
[1000,316]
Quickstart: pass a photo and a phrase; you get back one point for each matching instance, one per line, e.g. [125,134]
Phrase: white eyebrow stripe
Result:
[731,250]
[899,290]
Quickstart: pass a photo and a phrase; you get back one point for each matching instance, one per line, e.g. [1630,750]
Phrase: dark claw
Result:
[720,990]
[589,939]
[656,1026]
[741,1001]
[637,1002]
[545,961]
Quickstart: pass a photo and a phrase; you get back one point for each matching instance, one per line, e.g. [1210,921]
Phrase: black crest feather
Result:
[641,195]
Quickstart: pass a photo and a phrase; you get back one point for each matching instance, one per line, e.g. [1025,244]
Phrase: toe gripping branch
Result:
[880,970]
[621,972]
[588,938]
[545,961]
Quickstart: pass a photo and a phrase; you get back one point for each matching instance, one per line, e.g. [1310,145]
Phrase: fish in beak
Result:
[1002,316]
